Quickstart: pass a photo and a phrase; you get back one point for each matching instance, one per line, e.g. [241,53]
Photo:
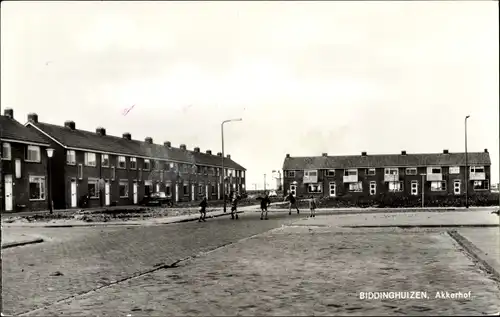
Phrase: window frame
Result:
[319,186]
[369,170]
[329,174]
[32,148]
[120,161]
[411,169]
[6,147]
[359,188]
[68,162]
[87,161]
[43,187]
[126,184]
[436,168]
[95,182]
[350,170]
[441,189]
[388,170]
[307,173]
[456,170]
[399,188]
[484,181]
[290,174]
[473,169]
[134,165]
[103,158]
[147,165]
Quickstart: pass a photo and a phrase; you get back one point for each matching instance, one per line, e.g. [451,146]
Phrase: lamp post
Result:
[223,170]
[466,168]
[50,152]
[423,188]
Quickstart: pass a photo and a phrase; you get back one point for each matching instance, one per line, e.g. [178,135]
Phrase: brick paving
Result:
[305,271]
[94,256]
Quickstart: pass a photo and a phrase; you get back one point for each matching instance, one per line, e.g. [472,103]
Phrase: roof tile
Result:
[13,130]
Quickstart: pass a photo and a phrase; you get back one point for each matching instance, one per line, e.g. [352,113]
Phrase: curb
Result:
[424,226]
[487,262]
[21,243]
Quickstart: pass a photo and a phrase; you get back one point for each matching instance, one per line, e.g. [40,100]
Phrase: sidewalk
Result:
[305,271]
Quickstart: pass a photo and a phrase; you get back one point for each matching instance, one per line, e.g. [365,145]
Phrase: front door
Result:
[373,188]
[293,190]
[106,194]
[135,193]
[73,194]
[332,190]
[8,193]
[456,187]
[157,187]
[206,191]
[414,188]
[176,192]
[192,192]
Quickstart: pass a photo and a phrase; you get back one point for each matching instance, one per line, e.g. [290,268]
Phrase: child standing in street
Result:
[234,205]
[203,209]
[312,207]
[292,202]
[264,203]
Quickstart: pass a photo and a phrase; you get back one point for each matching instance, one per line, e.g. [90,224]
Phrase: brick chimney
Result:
[485,150]
[148,140]
[403,152]
[183,147]
[33,117]
[363,153]
[219,153]
[228,156]
[70,124]
[167,144]
[288,155]
[101,131]
[325,154]
[445,152]
[127,136]
[197,149]
[8,112]
[209,152]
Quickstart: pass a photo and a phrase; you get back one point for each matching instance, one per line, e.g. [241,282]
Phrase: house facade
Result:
[24,166]
[115,170]
[396,174]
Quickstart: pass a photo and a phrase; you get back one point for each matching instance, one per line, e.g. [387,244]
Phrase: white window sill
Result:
[94,197]
[90,165]
[106,166]
[123,196]
[6,158]
[28,161]
[31,199]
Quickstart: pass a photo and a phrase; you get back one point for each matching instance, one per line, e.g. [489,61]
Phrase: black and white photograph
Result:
[250,158]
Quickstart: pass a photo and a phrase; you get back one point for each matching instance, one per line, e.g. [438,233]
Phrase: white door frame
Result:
[107,195]
[293,189]
[176,192]
[135,192]
[373,186]
[455,187]
[334,187]
[206,191]
[192,192]
[73,196]
[157,187]
[414,186]
[9,192]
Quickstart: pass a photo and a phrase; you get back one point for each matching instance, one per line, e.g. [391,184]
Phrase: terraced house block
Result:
[115,170]
[438,175]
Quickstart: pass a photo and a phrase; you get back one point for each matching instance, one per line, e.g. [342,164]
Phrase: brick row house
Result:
[24,166]
[399,174]
[122,171]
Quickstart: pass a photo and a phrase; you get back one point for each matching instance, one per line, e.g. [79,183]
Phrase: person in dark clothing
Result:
[203,209]
[264,203]
[291,201]
[234,205]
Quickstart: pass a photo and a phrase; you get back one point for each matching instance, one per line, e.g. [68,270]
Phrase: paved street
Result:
[91,257]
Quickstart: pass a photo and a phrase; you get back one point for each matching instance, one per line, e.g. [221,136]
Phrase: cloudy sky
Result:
[306,77]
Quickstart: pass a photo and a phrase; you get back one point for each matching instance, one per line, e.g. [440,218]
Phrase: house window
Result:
[93,188]
[123,189]
[330,173]
[70,157]
[122,162]
[477,169]
[113,173]
[454,169]
[356,187]
[6,151]
[37,187]
[133,163]
[291,173]
[205,170]
[104,160]
[32,153]
[438,186]
[80,171]
[90,159]
[167,166]
[395,186]
[147,165]
[391,171]
[411,171]
[310,173]
[18,168]
[351,172]
[186,189]
[370,172]
[436,170]
[314,188]
[481,185]
[168,191]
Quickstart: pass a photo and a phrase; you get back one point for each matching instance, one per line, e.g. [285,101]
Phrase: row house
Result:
[115,170]
[399,174]
[24,166]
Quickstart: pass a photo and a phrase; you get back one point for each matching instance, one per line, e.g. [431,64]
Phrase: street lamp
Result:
[223,170]
[423,188]
[466,168]
[50,153]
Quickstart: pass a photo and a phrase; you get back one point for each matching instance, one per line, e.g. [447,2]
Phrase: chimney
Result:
[183,147]
[33,117]
[167,144]
[209,152]
[288,155]
[325,154]
[219,153]
[445,151]
[363,153]
[197,149]
[228,156]
[127,136]
[101,131]
[70,124]
[485,150]
[403,152]
[148,140]
[8,112]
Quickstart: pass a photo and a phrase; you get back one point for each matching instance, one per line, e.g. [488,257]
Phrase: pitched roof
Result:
[112,144]
[385,160]
[12,130]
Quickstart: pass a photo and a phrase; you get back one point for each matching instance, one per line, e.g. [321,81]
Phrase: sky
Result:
[306,77]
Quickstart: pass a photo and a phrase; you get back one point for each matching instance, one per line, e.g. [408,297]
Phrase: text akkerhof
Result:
[414,295]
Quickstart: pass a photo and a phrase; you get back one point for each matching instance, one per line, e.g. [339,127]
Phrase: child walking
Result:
[203,209]
[264,203]
[312,207]
[234,205]
[291,202]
